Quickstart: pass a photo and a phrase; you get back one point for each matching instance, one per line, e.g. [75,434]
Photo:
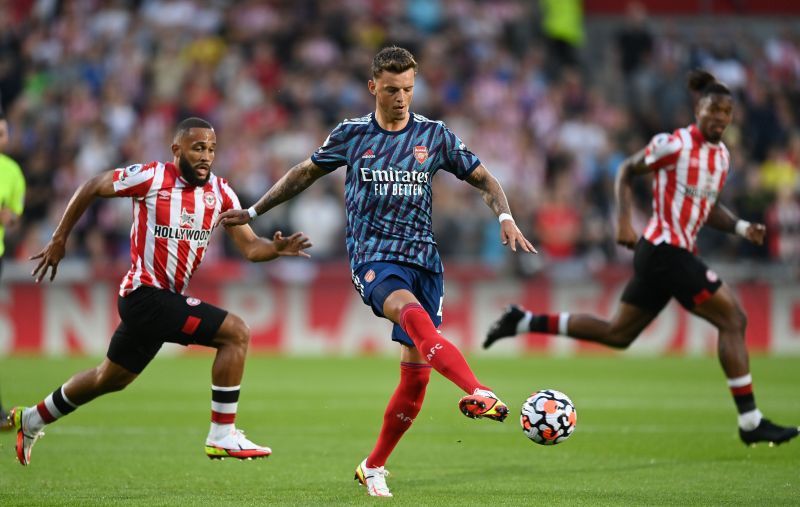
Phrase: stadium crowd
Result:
[90,85]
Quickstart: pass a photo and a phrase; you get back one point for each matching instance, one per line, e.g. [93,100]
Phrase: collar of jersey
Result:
[374,122]
[179,176]
[694,130]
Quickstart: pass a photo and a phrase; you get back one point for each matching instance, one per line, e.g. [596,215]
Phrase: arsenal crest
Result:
[421,153]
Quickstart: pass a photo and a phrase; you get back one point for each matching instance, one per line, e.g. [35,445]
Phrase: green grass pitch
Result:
[650,432]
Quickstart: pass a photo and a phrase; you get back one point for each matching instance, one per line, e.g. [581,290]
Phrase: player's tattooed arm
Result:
[490,189]
[299,178]
[495,198]
[630,167]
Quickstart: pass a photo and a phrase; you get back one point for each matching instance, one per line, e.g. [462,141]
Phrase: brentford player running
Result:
[391,156]
[174,208]
[689,168]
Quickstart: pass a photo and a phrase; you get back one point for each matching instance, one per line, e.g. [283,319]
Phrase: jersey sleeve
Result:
[16,201]
[456,157]
[663,151]
[333,152]
[229,198]
[134,180]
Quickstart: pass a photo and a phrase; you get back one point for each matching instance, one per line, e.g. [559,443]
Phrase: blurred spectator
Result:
[783,227]
[634,40]
[92,85]
[562,24]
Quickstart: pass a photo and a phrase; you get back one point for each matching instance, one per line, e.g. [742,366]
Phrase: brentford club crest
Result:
[421,153]
[192,301]
[210,200]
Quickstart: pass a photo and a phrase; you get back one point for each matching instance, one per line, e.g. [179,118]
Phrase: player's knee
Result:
[621,338]
[418,383]
[238,332]
[738,321]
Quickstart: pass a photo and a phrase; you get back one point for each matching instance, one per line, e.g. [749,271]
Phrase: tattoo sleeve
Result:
[299,178]
[490,189]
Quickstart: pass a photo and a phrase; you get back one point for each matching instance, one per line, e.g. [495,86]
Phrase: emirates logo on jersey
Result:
[421,153]
[210,200]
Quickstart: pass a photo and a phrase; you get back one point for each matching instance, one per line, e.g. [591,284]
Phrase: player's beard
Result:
[187,171]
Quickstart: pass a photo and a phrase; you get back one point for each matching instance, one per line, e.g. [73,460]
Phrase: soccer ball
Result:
[548,417]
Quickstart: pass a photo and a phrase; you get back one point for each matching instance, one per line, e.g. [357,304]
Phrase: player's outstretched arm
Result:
[721,218]
[258,249]
[495,198]
[631,166]
[299,178]
[101,185]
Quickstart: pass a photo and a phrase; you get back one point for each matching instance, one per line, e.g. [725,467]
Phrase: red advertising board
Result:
[326,316]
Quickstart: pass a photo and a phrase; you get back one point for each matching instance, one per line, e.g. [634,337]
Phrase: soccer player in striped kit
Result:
[391,156]
[689,169]
[175,206]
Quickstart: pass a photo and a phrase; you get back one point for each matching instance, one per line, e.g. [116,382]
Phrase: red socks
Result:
[440,353]
[401,411]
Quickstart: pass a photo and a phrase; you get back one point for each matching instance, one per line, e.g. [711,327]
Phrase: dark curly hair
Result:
[704,83]
[393,59]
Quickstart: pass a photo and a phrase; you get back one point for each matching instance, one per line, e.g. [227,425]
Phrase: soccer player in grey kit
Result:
[391,156]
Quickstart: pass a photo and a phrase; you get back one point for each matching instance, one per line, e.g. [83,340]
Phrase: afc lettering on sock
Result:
[436,347]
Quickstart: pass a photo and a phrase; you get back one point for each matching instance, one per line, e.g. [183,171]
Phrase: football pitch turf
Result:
[649,432]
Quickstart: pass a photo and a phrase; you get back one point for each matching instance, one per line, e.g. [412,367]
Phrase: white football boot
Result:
[26,436]
[235,445]
[373,478]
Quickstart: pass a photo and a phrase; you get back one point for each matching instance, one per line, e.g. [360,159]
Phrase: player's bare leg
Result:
[723,311]
[403,308]
[82,388]
[224,439]
[624,327]
[231,341]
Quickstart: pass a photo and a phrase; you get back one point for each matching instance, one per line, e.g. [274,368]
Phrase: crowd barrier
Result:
[323,314]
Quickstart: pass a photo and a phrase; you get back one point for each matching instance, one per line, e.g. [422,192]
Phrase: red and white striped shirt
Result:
[689,174]
[172,223]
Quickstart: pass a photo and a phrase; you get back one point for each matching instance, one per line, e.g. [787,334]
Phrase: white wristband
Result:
[741,228]
[252,212]
[505,216]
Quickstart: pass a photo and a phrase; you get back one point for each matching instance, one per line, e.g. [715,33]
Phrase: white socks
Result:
[524,324]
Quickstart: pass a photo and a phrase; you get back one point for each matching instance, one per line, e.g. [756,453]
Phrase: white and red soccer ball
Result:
[548,417]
